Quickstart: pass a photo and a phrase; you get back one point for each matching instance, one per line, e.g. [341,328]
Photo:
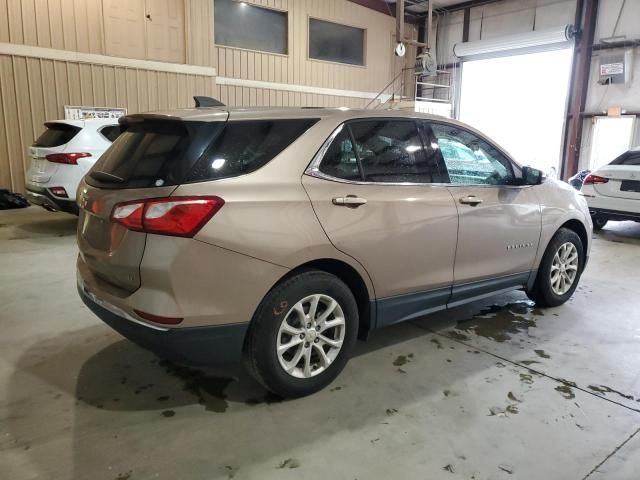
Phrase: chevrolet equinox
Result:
[280,236]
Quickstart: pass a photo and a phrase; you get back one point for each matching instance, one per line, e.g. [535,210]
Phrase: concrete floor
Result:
[495,390]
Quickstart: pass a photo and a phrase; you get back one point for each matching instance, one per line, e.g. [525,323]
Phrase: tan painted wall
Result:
[298,69]
[35,89]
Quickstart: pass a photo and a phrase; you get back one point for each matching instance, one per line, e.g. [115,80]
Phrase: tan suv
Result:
[280,236]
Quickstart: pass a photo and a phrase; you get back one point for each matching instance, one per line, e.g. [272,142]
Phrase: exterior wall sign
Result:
[84,113]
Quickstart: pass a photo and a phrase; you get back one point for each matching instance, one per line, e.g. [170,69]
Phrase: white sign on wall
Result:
[85,113]
[616,68]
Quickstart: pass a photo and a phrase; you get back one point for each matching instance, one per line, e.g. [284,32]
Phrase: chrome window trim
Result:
[313,170]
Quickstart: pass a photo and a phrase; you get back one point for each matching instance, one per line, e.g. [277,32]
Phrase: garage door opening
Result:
[520,101]
[612,136]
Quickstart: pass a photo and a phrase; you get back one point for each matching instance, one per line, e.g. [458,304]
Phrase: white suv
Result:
[61,156]
[613,191]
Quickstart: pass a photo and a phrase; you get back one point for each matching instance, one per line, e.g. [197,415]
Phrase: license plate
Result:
[630,186]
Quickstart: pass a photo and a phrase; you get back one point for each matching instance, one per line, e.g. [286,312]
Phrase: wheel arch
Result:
[353,279]
[578,227]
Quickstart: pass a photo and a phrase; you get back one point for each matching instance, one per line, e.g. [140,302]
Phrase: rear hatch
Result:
[153,156]
[623,181]
[148,160]
[53,140]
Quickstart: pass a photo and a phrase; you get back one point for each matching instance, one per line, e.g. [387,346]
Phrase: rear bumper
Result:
[615,214]
[42,197]
[214,345]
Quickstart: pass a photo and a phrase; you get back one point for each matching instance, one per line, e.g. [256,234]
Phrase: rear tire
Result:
[299,319]
[560,270]
[599,222]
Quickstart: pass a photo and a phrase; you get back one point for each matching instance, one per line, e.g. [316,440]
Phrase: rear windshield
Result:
[629,158]
[56,134]
[164,153]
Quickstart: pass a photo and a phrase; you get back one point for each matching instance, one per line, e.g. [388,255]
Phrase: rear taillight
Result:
[67,158]
[594,179]
[175,216]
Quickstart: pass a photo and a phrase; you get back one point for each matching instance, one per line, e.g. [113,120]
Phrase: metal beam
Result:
[383,7]
[430,25]
[400,21]
[467,4]
[466,21]
[579,86]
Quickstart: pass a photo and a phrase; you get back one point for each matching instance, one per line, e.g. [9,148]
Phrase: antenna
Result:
[207,102]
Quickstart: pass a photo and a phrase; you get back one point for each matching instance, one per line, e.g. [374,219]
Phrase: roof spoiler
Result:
[207,102]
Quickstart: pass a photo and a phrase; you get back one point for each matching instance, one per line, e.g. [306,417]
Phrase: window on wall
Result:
[241,25]
[333,42]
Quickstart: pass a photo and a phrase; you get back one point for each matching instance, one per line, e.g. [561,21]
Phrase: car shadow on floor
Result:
[620,232]
[108,382]
[33,223]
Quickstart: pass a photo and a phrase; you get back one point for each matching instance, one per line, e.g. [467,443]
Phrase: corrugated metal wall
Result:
[36,89]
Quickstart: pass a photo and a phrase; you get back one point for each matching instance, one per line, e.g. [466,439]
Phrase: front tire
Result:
[559,271]
[302,334]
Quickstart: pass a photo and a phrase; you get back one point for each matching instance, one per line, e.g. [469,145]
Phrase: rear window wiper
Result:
[106,177]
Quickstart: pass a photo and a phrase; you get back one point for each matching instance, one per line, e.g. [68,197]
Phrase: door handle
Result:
[350,201]
[470,200]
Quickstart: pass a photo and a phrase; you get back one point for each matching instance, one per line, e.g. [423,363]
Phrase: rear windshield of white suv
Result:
[56,134]
[158,153]
[628,158]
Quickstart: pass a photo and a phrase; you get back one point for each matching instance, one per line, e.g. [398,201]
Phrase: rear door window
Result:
[390,151]
[386,151]
[340,159]
[245,146]
[56,134]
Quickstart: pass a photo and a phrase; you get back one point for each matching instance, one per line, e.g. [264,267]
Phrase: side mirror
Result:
[531,176]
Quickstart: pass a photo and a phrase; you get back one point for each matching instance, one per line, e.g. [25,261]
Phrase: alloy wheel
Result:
[310,336]
[564,268]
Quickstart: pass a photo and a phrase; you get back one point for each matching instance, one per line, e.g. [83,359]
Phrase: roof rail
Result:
[207,102]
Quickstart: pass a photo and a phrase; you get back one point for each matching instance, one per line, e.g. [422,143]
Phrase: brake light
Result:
[67,158]
[594,179]
[174,216]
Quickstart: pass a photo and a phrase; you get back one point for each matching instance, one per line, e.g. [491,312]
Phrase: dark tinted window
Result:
[432,154]
[243,147]
[471,160]
[390,151]
[238,24]
[340,160]
[336,43]
[111,132]
[152,153]
[56,134]
[629,158]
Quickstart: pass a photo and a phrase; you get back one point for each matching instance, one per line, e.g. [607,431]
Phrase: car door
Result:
[370,186]
[499,220]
